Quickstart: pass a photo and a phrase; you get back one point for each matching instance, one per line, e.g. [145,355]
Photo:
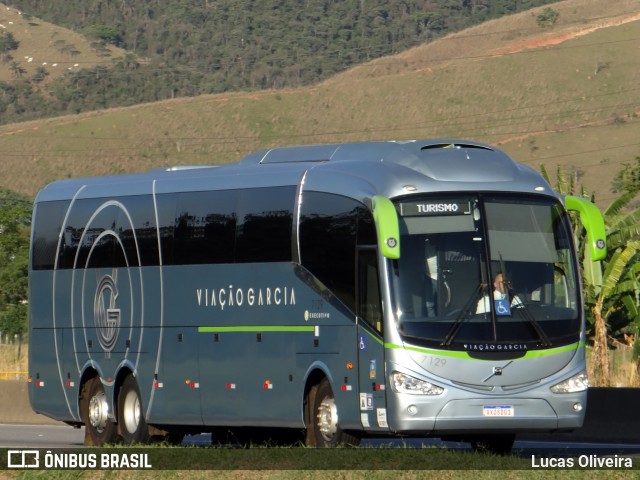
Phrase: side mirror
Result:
[387,226]
[592,221]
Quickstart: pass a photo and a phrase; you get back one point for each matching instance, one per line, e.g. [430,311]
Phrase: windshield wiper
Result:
[522,309]
[462,316]
[533,323]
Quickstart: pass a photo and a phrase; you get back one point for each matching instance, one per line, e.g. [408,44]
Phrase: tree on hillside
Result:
[628,178]
[16,69]
[547,18]
[429,23]
[15,220]
[40,74]
[7,44]
[105,33]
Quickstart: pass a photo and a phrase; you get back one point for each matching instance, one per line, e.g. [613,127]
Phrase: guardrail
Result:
[13,375]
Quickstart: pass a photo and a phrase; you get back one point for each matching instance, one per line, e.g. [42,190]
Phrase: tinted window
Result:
[329,230]
[205,226]
[167,205]
[47,223]
[253,225]
[366,227]
[265,221]
[82,232]
[369,302]
[98,233]
[140,239]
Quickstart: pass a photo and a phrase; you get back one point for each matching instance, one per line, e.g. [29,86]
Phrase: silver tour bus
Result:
[426,288]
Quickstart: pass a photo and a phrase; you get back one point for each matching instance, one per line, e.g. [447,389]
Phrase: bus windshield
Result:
[485,269]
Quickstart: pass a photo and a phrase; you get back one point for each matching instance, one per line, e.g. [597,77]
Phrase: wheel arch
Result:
[92,370]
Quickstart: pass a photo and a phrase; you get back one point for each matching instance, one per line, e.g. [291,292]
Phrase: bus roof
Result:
[359,170]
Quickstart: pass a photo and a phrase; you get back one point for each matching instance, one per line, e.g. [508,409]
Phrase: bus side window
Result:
[330,228]
[561,293]
[369,306]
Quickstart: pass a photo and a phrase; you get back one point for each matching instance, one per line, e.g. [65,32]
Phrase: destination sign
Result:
[432,208]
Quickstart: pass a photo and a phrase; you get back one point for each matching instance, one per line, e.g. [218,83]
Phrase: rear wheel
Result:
[131,422]
[323,428]
[94,409]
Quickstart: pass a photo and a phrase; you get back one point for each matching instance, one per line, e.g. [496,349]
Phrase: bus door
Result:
[373,411]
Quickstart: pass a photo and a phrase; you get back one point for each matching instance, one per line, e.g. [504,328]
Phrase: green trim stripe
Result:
[553,351]
[374,337]
[390,346]
[466,356]
[258,328]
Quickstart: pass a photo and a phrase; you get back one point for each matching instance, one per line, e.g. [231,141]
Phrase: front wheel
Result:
[131,422]
[94,409]
[323,428]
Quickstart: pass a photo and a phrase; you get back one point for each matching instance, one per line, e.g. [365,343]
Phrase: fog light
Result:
[577,407]
[412,409]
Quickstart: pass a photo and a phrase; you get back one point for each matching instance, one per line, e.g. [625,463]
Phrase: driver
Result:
[499,293]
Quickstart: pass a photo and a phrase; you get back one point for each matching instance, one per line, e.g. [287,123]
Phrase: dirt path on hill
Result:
[546,39]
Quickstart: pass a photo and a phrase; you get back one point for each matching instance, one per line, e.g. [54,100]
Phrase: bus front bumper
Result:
[416,415]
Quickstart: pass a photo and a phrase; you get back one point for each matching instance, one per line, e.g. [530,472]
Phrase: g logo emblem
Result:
[106,315]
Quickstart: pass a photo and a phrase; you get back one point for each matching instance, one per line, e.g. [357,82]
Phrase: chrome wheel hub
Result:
[98,411]
[328,419]
[131,412]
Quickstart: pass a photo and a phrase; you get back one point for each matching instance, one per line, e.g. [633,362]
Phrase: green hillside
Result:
[572,102]
[185,48]
[241,44]
[46,48]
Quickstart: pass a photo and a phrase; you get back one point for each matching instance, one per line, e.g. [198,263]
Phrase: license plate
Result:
[498,411]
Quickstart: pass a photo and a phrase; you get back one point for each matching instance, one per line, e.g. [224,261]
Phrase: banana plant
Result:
[612,287]
[618,294]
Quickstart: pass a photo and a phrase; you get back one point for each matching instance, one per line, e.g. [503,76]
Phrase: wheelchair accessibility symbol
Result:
[502,307]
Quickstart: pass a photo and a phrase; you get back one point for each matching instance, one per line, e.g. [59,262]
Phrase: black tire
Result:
[94,410]
[131,423]
[323,428]
[493,444]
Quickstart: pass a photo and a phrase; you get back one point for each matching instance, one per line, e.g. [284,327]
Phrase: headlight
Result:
[403,383]
[577,383]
